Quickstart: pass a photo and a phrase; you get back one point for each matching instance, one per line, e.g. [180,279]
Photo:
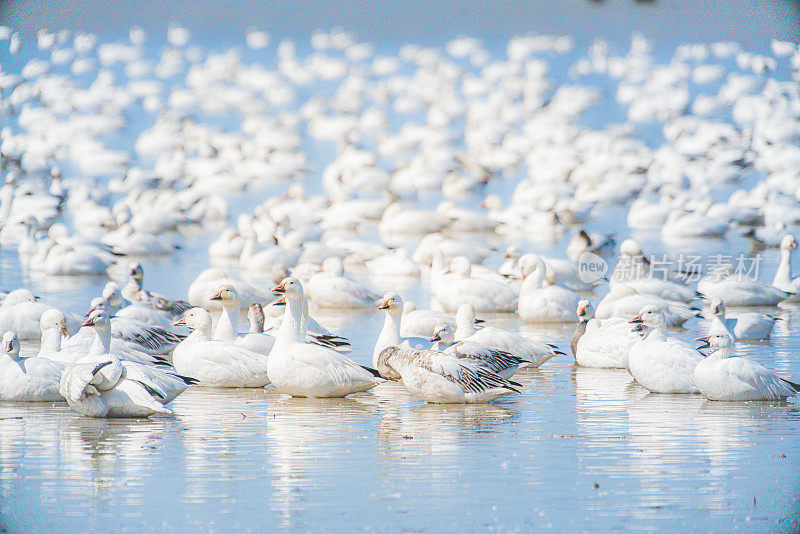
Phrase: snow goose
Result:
[531,352]
[742,325]
[443,378]
[99,384]
[783,276]
[331,289]
[31,379]
[543,304]
[133,291]
[583,242]
[498,361]
[455,287]
[21,313]
[396,263]
[301,369]
[216,363]
[602,345]
[722,378]
[661,364]
[737,289]
[390,335]
[625,302]
[139,336]
[227,328]
[397,220]
[683,224]
[272,261]
[228,245]
[422,323]
[119,306]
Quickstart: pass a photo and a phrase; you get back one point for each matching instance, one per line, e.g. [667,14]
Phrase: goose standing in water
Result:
[750,326]
[658,363]
[722,378]
[783,276]
[543,304]
[498,361]
[331,289]
[738,290]
[532,352]
[31,379]
[301,369]
[442,378]
[603,345]
[21,313]
[133,291]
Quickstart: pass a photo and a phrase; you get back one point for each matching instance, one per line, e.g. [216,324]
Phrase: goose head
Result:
[11,344]
[226,294]
[717,341]
[54,319]
[291,288]
[532,263]
[443,334]
[333,266]
[98,319]
[631,249]
[112,294]
[195,319]
[585,310]
[99,303]
[461,267]
[513,252]
[651,316]
[392,303]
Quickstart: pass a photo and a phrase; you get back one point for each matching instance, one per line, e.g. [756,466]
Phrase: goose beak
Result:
[280,288]
[216,296]
[581,311]
[180,322]
[704,339]
[280,301]
[448,271]
[64,331]
[88,322]
[793,244]
[506,255]
[384,305]
[8,345]
[436,337]
[479,321]
[636,320]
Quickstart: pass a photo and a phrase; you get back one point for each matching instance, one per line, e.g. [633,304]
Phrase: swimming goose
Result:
[455,286]
[216,363]
[390,336]
[603,345]
[625,302]
[31,379]
[540,303]
[532,352]
[331,289]
[738,290]
[21,313]
[742,325]
[498,361]
[658,363]
[133,291]
[301,369]
[207,282]
[442,378]
[722,378]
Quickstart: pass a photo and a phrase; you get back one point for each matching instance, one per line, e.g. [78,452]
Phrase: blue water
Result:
[580,449]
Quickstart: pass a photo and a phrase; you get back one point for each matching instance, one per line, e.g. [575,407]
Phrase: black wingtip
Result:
[560,352]
[371,370]
[795,387]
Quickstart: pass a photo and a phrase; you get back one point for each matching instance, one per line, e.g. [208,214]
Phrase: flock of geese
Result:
[468,124]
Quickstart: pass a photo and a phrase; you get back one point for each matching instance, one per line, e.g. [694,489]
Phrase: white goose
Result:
[101,385]
[20,313]
[331,289]
[422,323]
[216,363]
[390,335]
[659,363]
[207,282]
[783,276]
[625,302]
[748,326]
[738,290]
[532,352]
[301,369]
[603,345]
[455,287]
[31,379]
[227,328]
[136,311]
[498,361]
[442,378]
[543,304]
[722,378]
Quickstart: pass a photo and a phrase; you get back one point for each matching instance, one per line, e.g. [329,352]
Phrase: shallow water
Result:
[580,449]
